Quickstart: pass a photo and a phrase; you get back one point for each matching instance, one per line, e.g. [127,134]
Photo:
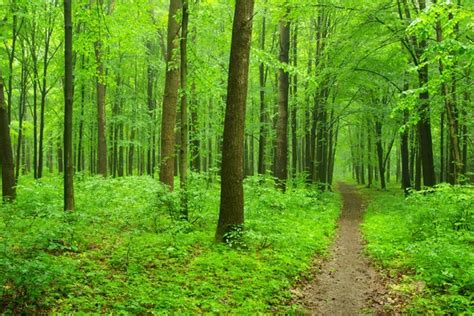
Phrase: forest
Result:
[237,157]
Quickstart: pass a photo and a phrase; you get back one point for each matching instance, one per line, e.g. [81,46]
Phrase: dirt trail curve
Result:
[346,284]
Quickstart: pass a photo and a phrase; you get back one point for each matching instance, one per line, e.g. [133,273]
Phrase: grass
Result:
[427,240]
[124,250]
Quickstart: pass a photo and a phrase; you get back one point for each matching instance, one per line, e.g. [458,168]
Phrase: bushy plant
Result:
[429,236]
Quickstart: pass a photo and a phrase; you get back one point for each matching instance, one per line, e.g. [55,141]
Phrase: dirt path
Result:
[346,284]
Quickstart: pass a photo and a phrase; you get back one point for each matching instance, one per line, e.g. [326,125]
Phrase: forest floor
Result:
[345,283]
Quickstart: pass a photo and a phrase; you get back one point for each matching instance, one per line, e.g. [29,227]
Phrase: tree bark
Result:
[183,154]
[170,99]
[68,109]
[281,159]
[101,128]
[294,109]
[263,115]
[231,214]
[6,153]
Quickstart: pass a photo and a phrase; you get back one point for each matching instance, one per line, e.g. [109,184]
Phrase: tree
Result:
[170,99]
[68,108]
[6,154]
[281,158]
[183,154]
[101,94]
[231,212]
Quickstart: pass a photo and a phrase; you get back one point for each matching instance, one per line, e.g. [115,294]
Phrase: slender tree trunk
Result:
[231,214]
[418,166]
[424,130]
[151,111]
[281,162]
[6,153]
[195,140]
[80,150]
[263,116]
[450,106]
[406,183]
[101,127]
[68,109]
[44,93]
[170,99]
[369,159]
[183,155]
[441,148]
[11,58]
[21,114]
[294,109]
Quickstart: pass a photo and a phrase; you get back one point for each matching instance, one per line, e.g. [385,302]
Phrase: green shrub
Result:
[428,235]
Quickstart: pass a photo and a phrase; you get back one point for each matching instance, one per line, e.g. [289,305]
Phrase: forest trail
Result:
[346,283]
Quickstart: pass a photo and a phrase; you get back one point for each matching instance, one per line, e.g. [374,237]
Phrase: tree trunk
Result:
[406,183]
[44,92]
[195,140]
[370,174]
[170,99]
[6,153]
[424,130]
[231,214]
[68,109]
[281,159]
[263,120]
[80,150]
[101,128]
[183,154]
[378,144]
[21,114]
[450,106]
[294,109]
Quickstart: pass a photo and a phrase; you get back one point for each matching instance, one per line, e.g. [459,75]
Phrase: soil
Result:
[346,283]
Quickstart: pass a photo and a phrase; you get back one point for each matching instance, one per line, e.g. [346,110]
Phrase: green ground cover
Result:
[124,250]
[428,239]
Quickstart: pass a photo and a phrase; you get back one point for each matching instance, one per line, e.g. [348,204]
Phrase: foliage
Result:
[427,236]
[124,250]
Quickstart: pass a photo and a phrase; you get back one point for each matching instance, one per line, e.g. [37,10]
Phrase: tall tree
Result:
[6,154]
[183,153]
[261,69]
[101,94]
[170,98]
[231,213]
[281,157]
[68,109]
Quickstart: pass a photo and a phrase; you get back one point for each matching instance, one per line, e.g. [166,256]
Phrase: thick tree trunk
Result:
[68,109]
[231,215]
[170,99]
[281,159]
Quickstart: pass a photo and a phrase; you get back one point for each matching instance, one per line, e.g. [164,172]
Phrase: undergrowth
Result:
[124,250]
[427,240]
